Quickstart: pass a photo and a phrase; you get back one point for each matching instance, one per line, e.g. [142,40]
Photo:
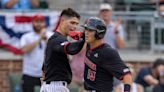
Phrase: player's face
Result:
[38,25]
[70,25]
[105,14]
[89,36]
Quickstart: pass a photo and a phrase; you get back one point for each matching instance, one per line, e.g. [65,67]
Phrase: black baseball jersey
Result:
[101,65]
[57,67]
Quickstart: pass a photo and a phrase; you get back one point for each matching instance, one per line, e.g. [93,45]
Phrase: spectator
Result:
[160,86]
[150,76]
[115,34]
[20,4]
[135,86]
[33,45]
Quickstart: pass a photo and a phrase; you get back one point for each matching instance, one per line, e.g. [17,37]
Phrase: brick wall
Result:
[7,67]
[14,66]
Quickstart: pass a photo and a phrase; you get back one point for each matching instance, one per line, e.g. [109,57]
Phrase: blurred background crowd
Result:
[139,39]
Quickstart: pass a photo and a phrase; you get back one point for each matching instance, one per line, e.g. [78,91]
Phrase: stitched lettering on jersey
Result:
[90,64]
[92,71]
[91,75]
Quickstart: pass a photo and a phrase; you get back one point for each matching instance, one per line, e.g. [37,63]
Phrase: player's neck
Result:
[96,43]
[59,30]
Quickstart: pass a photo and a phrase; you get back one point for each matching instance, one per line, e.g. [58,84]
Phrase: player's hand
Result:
[76,35]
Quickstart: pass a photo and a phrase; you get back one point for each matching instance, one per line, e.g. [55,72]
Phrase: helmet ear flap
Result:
[100,32]
[99,35]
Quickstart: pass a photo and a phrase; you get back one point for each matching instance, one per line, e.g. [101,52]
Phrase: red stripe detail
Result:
[10,48]
[65,46]
[23,19]
[57,24]
[121,78]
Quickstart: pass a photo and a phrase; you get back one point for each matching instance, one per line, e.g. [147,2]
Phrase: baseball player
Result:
[58,73]
[102,62]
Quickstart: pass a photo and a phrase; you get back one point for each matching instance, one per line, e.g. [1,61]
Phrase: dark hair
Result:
[158,62]
[70,13]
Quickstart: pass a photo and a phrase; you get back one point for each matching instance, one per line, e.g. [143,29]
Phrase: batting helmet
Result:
[97,25]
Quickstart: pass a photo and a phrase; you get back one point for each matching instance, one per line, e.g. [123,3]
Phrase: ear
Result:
[62,19]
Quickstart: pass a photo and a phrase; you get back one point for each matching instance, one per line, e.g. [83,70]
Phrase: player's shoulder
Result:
[56,37]
[107,50]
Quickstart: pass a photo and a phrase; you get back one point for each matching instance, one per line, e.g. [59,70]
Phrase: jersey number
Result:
[91,75]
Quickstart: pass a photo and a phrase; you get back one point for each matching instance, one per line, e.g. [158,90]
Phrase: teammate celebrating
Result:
[57,68]
[102,62]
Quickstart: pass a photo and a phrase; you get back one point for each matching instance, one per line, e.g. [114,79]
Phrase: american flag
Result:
[14,25]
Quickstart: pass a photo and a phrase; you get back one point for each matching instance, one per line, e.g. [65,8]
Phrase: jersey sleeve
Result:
[114,64]
[64,46]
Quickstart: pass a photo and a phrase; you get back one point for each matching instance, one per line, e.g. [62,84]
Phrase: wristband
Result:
[126,88]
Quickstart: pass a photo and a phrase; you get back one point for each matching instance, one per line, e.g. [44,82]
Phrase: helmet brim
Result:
[88,27]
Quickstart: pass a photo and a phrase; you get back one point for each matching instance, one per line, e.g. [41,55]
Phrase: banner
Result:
[14,25]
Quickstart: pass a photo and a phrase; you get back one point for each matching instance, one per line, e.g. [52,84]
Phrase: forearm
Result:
[75,47]
[127,80]
[35,3]
[11,3]
[29,47]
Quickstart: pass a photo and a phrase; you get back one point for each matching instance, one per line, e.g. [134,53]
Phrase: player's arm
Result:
[117,67]
[74,47]
[127,80]
[63,46]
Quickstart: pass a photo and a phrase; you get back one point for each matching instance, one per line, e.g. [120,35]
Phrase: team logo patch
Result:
[63,43]
[96,55]
[126,70]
